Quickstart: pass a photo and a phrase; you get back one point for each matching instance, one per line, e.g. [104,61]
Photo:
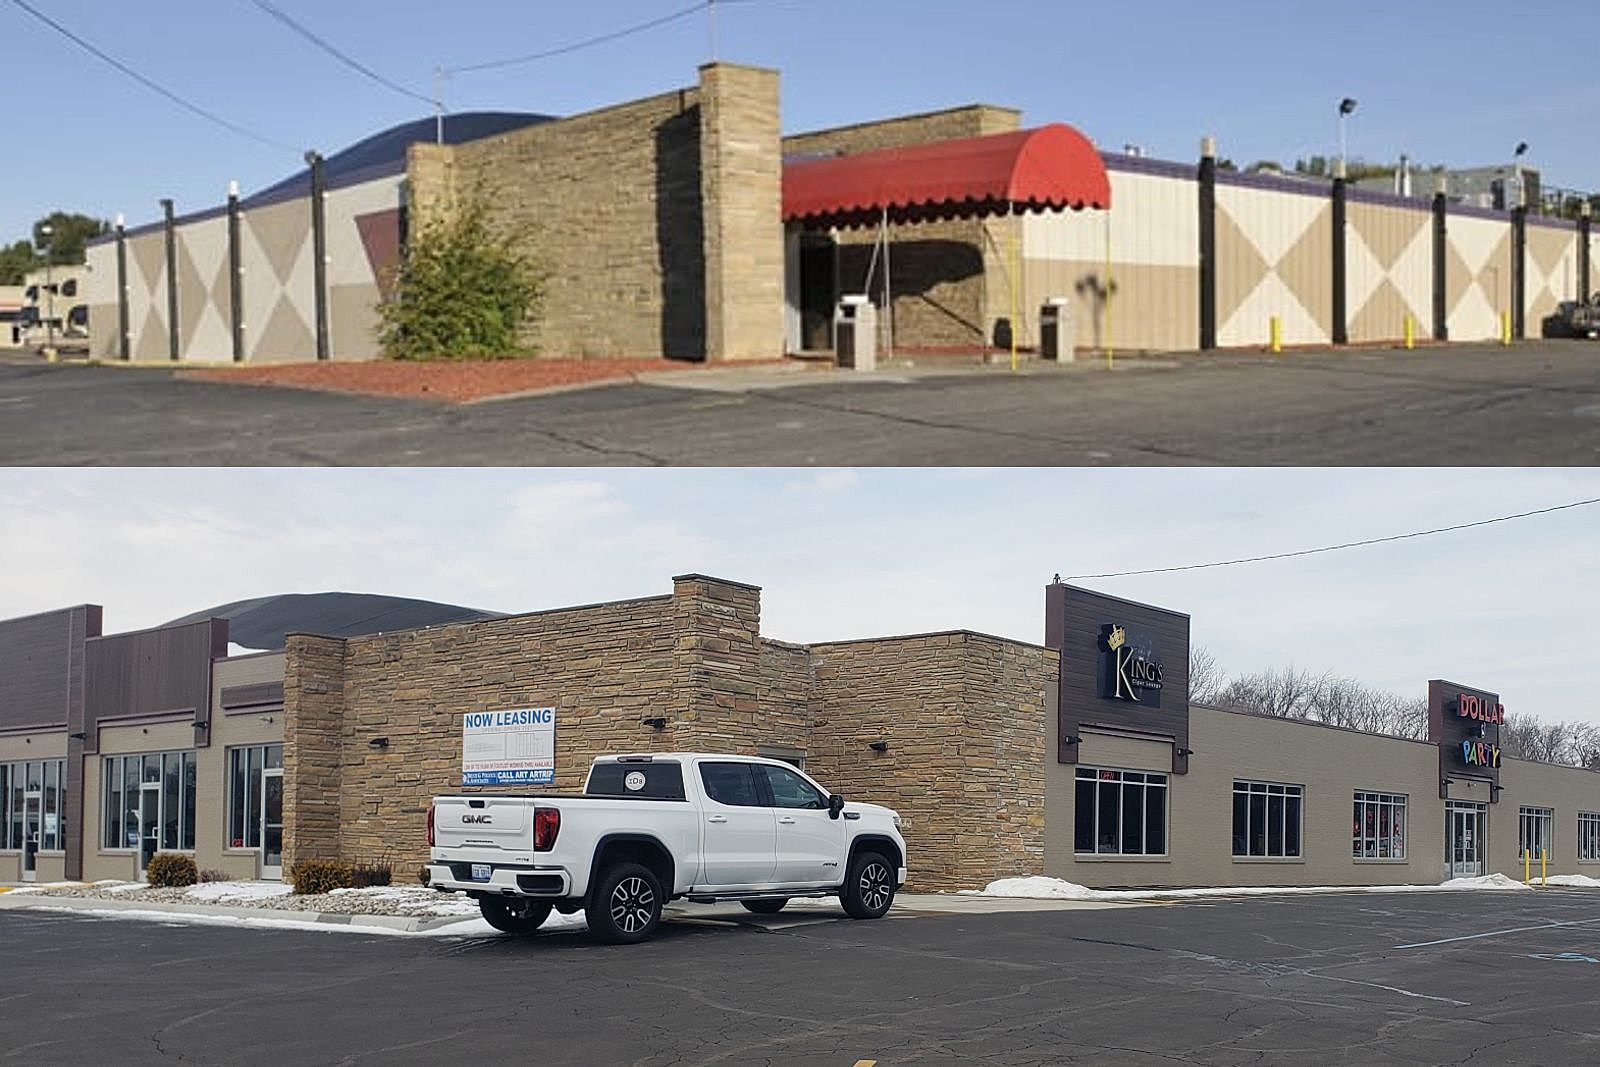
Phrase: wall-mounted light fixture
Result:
[79,736]
[200,724]
[1185,751]
[378,742]
[1072,739]
[879,746]
[266,718]
[655,722]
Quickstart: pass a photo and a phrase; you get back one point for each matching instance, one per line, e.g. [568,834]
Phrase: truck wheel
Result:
[627,905]
[514,915]
[868,887]
[771,906]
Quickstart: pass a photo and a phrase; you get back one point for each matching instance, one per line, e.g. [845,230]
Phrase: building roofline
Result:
[979,634]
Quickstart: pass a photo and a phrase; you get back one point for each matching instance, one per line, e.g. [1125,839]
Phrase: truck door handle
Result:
[787,820]
[716,818]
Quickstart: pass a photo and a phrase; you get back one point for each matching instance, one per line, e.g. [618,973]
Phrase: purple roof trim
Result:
[1144,165]
[1373,196]
[1472,211]
[1554,223]
[1317,187]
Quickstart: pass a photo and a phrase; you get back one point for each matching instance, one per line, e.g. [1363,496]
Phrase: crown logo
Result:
[1116,638]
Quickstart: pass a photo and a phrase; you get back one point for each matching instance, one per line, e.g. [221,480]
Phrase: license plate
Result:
[480,872]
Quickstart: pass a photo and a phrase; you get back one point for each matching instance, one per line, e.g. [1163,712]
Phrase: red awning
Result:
[1052,167]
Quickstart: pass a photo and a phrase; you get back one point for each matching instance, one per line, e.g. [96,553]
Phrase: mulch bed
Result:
[454,382]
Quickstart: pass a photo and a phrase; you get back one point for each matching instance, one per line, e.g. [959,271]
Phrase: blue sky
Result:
[862,553]
[1459,83]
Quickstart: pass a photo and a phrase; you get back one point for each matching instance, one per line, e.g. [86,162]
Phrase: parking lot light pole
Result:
[1346,106]
[48,232]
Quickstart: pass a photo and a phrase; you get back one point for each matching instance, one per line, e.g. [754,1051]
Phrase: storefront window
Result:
[166,815]
[45,779]
[1536,832]
[1120,813]
[1380,826]
[245,766]
[1588,835]
[1266,820]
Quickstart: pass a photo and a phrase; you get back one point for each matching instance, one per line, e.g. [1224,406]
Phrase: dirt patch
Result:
[449,382]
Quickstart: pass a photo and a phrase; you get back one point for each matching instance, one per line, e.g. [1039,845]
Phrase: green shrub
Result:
[320,876]
[369,874]
[169,869]
[462,290]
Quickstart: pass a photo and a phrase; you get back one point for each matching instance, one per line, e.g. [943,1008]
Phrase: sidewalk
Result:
[417,909]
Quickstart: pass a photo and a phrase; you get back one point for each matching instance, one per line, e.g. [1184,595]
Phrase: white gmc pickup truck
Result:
[653,828]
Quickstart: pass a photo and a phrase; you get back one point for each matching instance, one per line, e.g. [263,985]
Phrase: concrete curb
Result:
[402,923]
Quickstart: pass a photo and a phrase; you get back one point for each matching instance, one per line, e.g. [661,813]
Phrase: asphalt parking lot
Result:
[1438,978]
[1536,403]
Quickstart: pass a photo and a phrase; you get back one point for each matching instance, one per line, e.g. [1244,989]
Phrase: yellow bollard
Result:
[1505,327]
[1544,865]
[1527,867]
[1275,329]
[1411,333]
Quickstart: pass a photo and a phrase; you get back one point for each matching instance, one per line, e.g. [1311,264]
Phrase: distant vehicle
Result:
[650,829]
[1574,318]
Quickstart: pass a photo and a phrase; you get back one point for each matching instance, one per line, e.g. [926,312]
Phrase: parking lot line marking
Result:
[1497,933]
[1390,988]
[866,1063]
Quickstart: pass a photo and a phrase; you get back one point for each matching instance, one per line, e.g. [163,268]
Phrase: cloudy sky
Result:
[862,553]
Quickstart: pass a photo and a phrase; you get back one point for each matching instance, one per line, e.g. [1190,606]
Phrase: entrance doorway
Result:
[1465,839]
[32,827]
[272,823]
[149,824]
[819,290]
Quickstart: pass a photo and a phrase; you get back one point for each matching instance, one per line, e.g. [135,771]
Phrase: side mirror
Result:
[835,805]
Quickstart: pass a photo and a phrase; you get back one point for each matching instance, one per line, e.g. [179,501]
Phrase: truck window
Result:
[789,790]
[658,781]
[731,783]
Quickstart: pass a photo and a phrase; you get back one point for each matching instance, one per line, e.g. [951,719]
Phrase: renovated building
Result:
[1080,758]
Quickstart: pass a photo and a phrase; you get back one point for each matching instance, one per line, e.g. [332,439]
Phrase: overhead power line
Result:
[1347,544]
[588,42]
[313,39]
[149,83]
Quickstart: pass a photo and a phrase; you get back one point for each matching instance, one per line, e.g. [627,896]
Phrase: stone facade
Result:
[654,224]
[963,718]
[373,724]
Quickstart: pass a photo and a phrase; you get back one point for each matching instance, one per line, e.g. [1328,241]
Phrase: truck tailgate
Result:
[483,822]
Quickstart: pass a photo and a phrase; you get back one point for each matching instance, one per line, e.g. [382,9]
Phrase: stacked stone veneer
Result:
[655,224]
[963,714]
[948,279]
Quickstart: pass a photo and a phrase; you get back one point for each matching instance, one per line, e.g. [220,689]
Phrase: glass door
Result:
[149,823]
[1464,840]
[272,823]
[31,825]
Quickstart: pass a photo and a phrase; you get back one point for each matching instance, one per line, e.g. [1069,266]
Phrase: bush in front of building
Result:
[320,876]
[171,869]
[363,875]
[462,290]
[211,874]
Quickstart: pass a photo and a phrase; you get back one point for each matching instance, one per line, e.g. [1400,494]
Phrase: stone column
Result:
[313,728]
[741,198]
[717,662]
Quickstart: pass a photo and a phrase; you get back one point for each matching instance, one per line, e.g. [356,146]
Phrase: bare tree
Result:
[1205,676]
[1278,692]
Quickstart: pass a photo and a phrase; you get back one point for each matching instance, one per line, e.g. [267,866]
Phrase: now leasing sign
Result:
[512,747]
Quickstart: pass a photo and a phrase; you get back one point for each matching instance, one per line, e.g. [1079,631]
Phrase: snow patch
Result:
[233,891]
[1042,888]
[1580,881]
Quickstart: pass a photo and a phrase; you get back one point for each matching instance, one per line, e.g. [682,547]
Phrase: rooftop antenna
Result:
[439,75]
